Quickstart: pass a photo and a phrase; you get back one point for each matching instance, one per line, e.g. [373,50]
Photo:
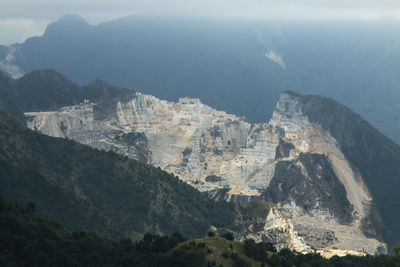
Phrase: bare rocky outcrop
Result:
[321,199]
[8,64]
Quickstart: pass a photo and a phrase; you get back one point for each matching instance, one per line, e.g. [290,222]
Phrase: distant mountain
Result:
[119,197]
[48,90]
[240,66]
[100,191]
[315,159]
[260,158]
[3,52]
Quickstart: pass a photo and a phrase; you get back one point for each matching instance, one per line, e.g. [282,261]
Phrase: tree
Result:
[30,207]
[396,251]
[228,236]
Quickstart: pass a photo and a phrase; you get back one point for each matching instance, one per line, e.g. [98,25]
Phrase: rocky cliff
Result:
[321,198]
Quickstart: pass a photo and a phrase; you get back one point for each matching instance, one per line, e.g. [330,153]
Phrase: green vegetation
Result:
[257,251]
[44,90]
[28,238]
[211,234]
[228,236]
[101,191]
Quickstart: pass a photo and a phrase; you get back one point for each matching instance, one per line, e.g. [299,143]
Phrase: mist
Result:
[20,19]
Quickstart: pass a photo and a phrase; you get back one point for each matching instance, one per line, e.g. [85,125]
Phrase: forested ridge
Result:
[101,191]
[28,238]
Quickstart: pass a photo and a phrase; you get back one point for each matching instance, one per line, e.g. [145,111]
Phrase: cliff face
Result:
[290,161]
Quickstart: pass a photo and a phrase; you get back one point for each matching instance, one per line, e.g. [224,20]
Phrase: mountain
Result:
[315,159]
[100,191]
[318,176]
[240,66]
[3,52]
[49,168]
[31,239]
[374,155]
[48,90]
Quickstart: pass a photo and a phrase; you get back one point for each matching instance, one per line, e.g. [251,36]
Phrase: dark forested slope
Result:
[117,195]
[44,90]
[28,238]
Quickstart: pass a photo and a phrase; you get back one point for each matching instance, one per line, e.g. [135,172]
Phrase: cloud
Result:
[22,15]
[13,30]
[45,9]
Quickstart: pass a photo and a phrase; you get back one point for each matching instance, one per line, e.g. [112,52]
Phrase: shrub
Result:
[228,236]
[211,234]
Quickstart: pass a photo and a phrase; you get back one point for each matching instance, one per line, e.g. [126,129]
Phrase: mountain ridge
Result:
[213,59]
[44,90]
[97,177]
[222,154]
[369,150]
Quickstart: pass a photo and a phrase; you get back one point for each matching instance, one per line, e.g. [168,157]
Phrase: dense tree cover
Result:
[44,90]
[258,251]
[228,236]
[28,238]
[287,258]
[101,191]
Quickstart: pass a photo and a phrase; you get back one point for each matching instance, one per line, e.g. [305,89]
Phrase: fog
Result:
[20,19]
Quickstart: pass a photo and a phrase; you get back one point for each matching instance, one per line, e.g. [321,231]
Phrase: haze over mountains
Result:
[240,66]
[299,170]
[319,162]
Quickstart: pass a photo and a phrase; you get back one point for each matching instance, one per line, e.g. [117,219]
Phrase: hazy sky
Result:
[20,19]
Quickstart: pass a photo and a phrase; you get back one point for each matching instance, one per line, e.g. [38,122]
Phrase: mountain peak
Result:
[67,24]
[71,18]
[289,103]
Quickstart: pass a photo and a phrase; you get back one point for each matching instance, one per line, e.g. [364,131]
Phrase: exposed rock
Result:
[289,160]
[277,58]
[264,222]
[8,63]
[311,183]
[283,149]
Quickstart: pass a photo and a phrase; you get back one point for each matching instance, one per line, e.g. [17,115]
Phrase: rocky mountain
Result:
[240,66]
[31,172]
[309,159]
[118,197]
[101,191]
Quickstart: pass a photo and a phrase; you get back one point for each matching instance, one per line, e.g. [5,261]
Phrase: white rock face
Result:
[278,229]
[277,58]
[188,138]
[8,65]
[213,150]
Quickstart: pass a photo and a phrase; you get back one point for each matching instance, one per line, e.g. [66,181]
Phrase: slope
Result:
[374,155]
[250,61]
[135,196]
[48,90]
[28,238]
